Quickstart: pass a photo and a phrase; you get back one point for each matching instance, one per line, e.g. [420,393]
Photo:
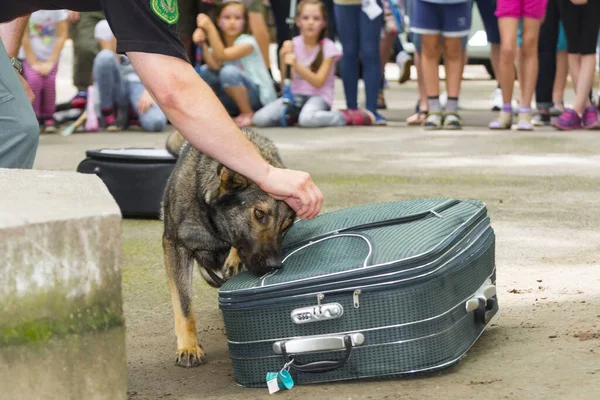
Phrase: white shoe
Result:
[496,104]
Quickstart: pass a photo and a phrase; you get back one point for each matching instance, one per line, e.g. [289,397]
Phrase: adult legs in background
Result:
[347,19]
[19,129]
[281,11]
[581,23]
[85,49]
[369,55]
[547,56]
[154,120]
[490,22]
[331,27]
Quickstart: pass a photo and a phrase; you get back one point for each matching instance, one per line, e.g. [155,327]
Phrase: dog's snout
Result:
[274,262]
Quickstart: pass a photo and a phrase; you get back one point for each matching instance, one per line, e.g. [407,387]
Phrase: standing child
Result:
[43,41]
[581,19]
[312,57]
[450,19]
[234,64]
[509,13]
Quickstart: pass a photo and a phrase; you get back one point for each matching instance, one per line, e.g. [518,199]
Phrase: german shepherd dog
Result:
[222,221]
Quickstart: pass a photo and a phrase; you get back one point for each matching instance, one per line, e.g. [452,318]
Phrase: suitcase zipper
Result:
[355,299]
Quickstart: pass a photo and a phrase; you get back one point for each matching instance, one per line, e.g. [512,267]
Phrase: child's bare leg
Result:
[560,79]
[240,97]
[455,60]
[508,51]
[529,61]
[422,92]
[587,69]
[430,57]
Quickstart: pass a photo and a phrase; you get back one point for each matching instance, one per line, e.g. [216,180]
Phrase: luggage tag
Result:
[280,380]
[371,8]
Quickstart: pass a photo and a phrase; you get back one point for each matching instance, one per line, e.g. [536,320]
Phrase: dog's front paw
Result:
[233,264]
[189,358]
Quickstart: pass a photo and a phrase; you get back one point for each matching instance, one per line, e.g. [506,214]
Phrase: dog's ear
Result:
[231,181]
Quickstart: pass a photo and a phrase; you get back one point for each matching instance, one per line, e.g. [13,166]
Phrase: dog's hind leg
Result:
[180,264]
[233,264]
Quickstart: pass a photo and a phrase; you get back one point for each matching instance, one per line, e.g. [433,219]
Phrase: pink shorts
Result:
[521,8]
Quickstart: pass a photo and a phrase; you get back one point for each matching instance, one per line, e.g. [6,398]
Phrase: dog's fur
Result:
[221,220]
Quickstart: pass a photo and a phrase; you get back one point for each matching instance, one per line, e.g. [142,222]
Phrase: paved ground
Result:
[542,191]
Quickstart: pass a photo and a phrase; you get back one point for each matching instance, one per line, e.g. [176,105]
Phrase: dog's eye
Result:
[259,214]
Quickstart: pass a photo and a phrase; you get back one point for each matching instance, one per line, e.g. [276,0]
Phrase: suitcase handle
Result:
[362,236]
[317,344]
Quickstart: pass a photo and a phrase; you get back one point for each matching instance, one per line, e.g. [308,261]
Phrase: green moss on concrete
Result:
[93,319]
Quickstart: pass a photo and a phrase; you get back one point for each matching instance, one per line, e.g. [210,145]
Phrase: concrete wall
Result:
[61,322]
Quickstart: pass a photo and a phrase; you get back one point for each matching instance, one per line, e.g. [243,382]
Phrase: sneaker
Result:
[434,121]
[524,122]
[404,61]
[568,120]
[379,120]
[358,117]
[504,121]
[80,100]
[49,126]
[496,104]
[452,121]
[589,119]
[541,120]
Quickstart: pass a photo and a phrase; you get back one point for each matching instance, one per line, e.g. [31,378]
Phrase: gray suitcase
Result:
[382,290]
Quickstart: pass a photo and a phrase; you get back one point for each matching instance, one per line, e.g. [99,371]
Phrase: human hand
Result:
[579,2]
[289,59]
[296,188]
[73,17]
[203,21]
[199,36]
[28,90]
[145,102]
[45,68]
[286,47]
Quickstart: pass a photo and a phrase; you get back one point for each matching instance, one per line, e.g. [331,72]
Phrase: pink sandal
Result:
[244,120]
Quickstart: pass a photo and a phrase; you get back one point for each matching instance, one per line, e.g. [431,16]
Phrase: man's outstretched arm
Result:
[12,33]
[197,113]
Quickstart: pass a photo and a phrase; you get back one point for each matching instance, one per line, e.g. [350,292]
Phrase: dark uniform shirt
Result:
[147,26]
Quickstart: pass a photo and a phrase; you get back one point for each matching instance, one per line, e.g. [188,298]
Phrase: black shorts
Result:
[581,23]
[188,11]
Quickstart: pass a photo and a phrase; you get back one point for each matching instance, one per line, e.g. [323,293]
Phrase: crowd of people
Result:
[228,43]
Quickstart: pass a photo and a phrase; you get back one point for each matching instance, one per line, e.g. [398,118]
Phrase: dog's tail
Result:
[174,143]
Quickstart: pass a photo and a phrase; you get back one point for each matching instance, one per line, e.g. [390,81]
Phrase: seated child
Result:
[312,57]
[234,67]
[121,92]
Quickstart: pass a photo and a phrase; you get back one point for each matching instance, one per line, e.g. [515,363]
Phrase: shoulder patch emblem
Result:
[167,10]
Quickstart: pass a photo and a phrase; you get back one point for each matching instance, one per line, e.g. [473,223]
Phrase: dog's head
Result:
[251,221]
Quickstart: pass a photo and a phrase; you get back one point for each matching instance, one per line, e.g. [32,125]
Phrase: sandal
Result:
[417,118]
[244,120]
